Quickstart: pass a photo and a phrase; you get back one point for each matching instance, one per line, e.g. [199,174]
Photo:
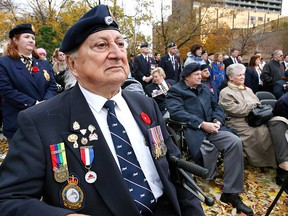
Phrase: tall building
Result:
[235,13]
[273,6]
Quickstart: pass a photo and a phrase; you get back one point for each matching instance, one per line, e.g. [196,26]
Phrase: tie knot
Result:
[26,58]
[110,105]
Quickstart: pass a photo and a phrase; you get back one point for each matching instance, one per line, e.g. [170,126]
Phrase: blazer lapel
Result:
[23,70]
[136,112]
[109,178]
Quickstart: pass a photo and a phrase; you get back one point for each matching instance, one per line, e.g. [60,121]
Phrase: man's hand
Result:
[210,127]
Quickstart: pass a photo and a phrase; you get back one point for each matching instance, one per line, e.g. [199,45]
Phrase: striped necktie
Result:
[164,89]
[173,62]
[27,61]
[130,168]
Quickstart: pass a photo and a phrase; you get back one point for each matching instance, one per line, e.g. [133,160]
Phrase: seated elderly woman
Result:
[237,100]
[159,87]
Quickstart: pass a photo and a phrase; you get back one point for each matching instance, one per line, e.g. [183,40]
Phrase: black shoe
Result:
[280,177]
[237,203]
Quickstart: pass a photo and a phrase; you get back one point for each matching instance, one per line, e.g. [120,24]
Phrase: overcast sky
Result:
[285,7]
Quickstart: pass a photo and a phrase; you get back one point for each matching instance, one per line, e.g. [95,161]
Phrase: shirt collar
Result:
[97,102]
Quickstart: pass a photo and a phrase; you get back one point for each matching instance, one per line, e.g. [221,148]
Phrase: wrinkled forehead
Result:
[108,34]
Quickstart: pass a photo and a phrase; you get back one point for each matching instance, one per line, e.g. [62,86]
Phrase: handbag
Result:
[259,115]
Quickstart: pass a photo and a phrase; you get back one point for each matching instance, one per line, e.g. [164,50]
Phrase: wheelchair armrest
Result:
[171,121]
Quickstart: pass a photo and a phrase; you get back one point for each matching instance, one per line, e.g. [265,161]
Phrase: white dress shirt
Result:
[124,115]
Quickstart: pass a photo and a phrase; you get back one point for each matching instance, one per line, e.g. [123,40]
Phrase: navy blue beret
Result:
[95,20]
[203,66]
[20,29]
[190,68]
[171,45]
[145,44]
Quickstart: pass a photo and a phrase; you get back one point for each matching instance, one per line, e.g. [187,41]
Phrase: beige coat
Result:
[257,143]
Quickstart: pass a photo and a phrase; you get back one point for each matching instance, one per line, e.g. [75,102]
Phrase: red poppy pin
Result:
[35,69]
[145,118]
[168,84]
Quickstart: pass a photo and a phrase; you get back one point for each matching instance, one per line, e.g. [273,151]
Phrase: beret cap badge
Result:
[108,20]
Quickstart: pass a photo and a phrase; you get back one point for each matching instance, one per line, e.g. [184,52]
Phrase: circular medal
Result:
[84,140]
[61,175]
[90,177]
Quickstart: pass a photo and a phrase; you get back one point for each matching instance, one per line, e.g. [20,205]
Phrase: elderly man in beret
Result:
[191,102]
[93,150]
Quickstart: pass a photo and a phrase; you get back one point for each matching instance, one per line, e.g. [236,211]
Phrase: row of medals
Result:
[61,174]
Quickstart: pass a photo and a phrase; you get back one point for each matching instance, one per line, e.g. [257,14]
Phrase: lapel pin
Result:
[83,131]
[91,128]
[84,140]
[93,136]
[76,125]
[72,138]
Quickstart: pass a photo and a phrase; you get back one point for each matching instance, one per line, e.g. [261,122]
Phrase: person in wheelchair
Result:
[191,102]
[159,87]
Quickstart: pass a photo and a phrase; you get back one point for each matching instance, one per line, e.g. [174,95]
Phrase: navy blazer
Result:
[26,173]
[252,79]
[185,106]
[21,90]
[228,62]
[142,68]
[166,65]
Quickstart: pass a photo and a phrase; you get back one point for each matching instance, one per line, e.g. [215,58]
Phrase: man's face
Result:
[205,73]
[172,50]
[235,53]
[194,79]
[211,57]
[286,58]
[145,50]
[278,56]
[101,61]
[204,56]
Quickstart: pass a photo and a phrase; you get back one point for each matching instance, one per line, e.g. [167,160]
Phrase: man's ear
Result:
[72,65]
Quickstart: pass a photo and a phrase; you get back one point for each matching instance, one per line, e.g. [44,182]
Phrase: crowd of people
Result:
[101,137]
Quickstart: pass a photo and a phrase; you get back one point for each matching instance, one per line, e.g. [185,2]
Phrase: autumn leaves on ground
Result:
[260,191]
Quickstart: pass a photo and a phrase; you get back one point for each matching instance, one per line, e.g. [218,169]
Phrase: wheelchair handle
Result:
[189,167]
